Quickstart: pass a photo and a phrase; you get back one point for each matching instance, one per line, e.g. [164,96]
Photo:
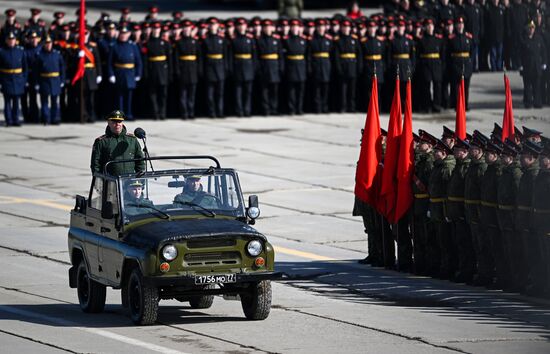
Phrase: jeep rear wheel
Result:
[143,300]
[202,302]
[257,302]
[91,294]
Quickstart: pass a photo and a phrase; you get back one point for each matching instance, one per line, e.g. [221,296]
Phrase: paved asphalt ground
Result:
[302,169]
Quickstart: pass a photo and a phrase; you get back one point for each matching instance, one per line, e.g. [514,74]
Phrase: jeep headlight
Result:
[254,248]
[169,252]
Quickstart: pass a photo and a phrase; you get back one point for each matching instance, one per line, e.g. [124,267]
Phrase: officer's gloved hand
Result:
[543,66]
[112,79]
[428,214]
[138,78]
[62,84]
[26,84]
[447,219]
[521,70]
[36,87]
[80,53]
[98,80]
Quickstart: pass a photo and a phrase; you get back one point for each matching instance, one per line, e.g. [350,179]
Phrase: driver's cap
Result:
[135,183]
[193,177]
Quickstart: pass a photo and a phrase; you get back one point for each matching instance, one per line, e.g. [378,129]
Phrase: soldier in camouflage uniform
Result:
[507,190]
[461,261]
[472,195]
[437,186]
[541,216]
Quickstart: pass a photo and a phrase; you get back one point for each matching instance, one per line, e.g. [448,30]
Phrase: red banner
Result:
[81,42]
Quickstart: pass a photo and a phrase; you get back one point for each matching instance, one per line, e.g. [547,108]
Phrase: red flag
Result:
[405,165]
[81,43]
[460,126]
[366,186]
[389,182]
[508,129]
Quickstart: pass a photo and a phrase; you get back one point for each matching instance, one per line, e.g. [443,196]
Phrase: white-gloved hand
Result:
[62,85]
[112,79]
[428,214]
[80,53]
[543,66]
[26,84]
[36,87]
[138,78]
[98,80]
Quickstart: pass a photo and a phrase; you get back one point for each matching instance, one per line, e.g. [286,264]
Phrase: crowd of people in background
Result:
[159,68]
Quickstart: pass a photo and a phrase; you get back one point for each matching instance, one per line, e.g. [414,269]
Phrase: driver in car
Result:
[193,194]
[134,198]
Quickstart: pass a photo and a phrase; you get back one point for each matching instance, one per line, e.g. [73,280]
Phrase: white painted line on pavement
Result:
[96,331]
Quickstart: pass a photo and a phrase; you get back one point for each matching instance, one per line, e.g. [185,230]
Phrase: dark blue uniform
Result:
[13,75]
[106,90]
[50,71]
[29,102]
[243,63]
[125,64]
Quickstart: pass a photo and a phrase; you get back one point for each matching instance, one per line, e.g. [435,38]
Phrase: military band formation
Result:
[180,68]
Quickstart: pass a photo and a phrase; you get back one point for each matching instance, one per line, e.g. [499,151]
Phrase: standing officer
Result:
[92,77]
[188,60]
[10,25]
[116,144]
[437,187]
[431,53]
[507,190]
[494,33]
[214,49]
[50,70]
[244,61]
[518,17]
[374,50]
[320,66]
[347,64]
[271,67]
[402,54]
[296,52]
[461,257]
[422,227]
[534,60]
[125,69]
[29,104]
[158,65]
[34,23]
[474,25]
[13,75]
[460,46]
[541,210]
[472,195]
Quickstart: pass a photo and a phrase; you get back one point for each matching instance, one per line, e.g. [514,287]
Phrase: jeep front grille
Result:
[211,258]
[210,243]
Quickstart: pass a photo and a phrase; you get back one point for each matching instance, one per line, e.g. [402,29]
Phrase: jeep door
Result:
[93,226]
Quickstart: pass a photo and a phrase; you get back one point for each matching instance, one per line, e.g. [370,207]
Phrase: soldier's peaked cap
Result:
[10,12]
[427,137]
[116,115]
[135,183]
[461,144]
[510,148]
[530,132]
[441,146]
[531,148]
[492,147]
[448,133]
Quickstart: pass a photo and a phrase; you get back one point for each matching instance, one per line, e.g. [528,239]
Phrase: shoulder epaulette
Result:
[328,36]
[101,137]
[354,36]
[250,35]
[408,36]
[286,37]
[440,36]
[381,38]
[275,35]
[130,134]
[451,36]
[469,35]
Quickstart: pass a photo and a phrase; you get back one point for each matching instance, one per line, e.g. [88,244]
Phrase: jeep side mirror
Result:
[107,210]
[253,211]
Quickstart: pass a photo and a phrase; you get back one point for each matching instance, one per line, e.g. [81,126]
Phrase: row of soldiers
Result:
[480,213]
[181,68]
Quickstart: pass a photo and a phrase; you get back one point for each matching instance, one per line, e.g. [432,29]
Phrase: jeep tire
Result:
[204,301]
[91,294]
[143,300]
[257,302]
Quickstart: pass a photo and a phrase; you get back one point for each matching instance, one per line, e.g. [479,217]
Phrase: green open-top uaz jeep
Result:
[179,234]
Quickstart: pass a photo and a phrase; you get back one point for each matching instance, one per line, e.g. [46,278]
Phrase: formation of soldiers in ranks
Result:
[480,214]
[181,68]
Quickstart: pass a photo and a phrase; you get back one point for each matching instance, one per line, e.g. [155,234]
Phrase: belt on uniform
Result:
[52,74]
[12,71]
[455,199]
[89,65]
[273,56]
[158,58]
[124,65]
[430,56]
[460,54]
[489,204]
[541,211]
[471,201]
[348,56]
[243,56]
[437,200]
[188,57]
[401,56]
[295,57]
[214,56]
[524,208]
[421,196]
[321,55]
[373,57]
[506,207]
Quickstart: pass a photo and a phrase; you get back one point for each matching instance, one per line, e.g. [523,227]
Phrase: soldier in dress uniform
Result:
[13,76]
[348,63]
[243,66]
[216,65]
[431,53]
[460,46]
[271,67]
[125,69]
[447,79]
[374,51]
[49,69]
[34,23]
[296,51]
[541,221]
[534,61]
[320,66]
[93,76]
[157,71]
[125,16]
[402,56]
[29,101]
[106,93]
[188,59]
[473,15]
[57,24]
[10,25]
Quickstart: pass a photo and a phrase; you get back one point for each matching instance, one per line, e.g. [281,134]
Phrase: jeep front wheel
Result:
[204,301]
[257,302]
[143,300]
[91,294]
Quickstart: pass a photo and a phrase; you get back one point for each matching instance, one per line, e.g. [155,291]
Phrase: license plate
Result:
[215,279]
